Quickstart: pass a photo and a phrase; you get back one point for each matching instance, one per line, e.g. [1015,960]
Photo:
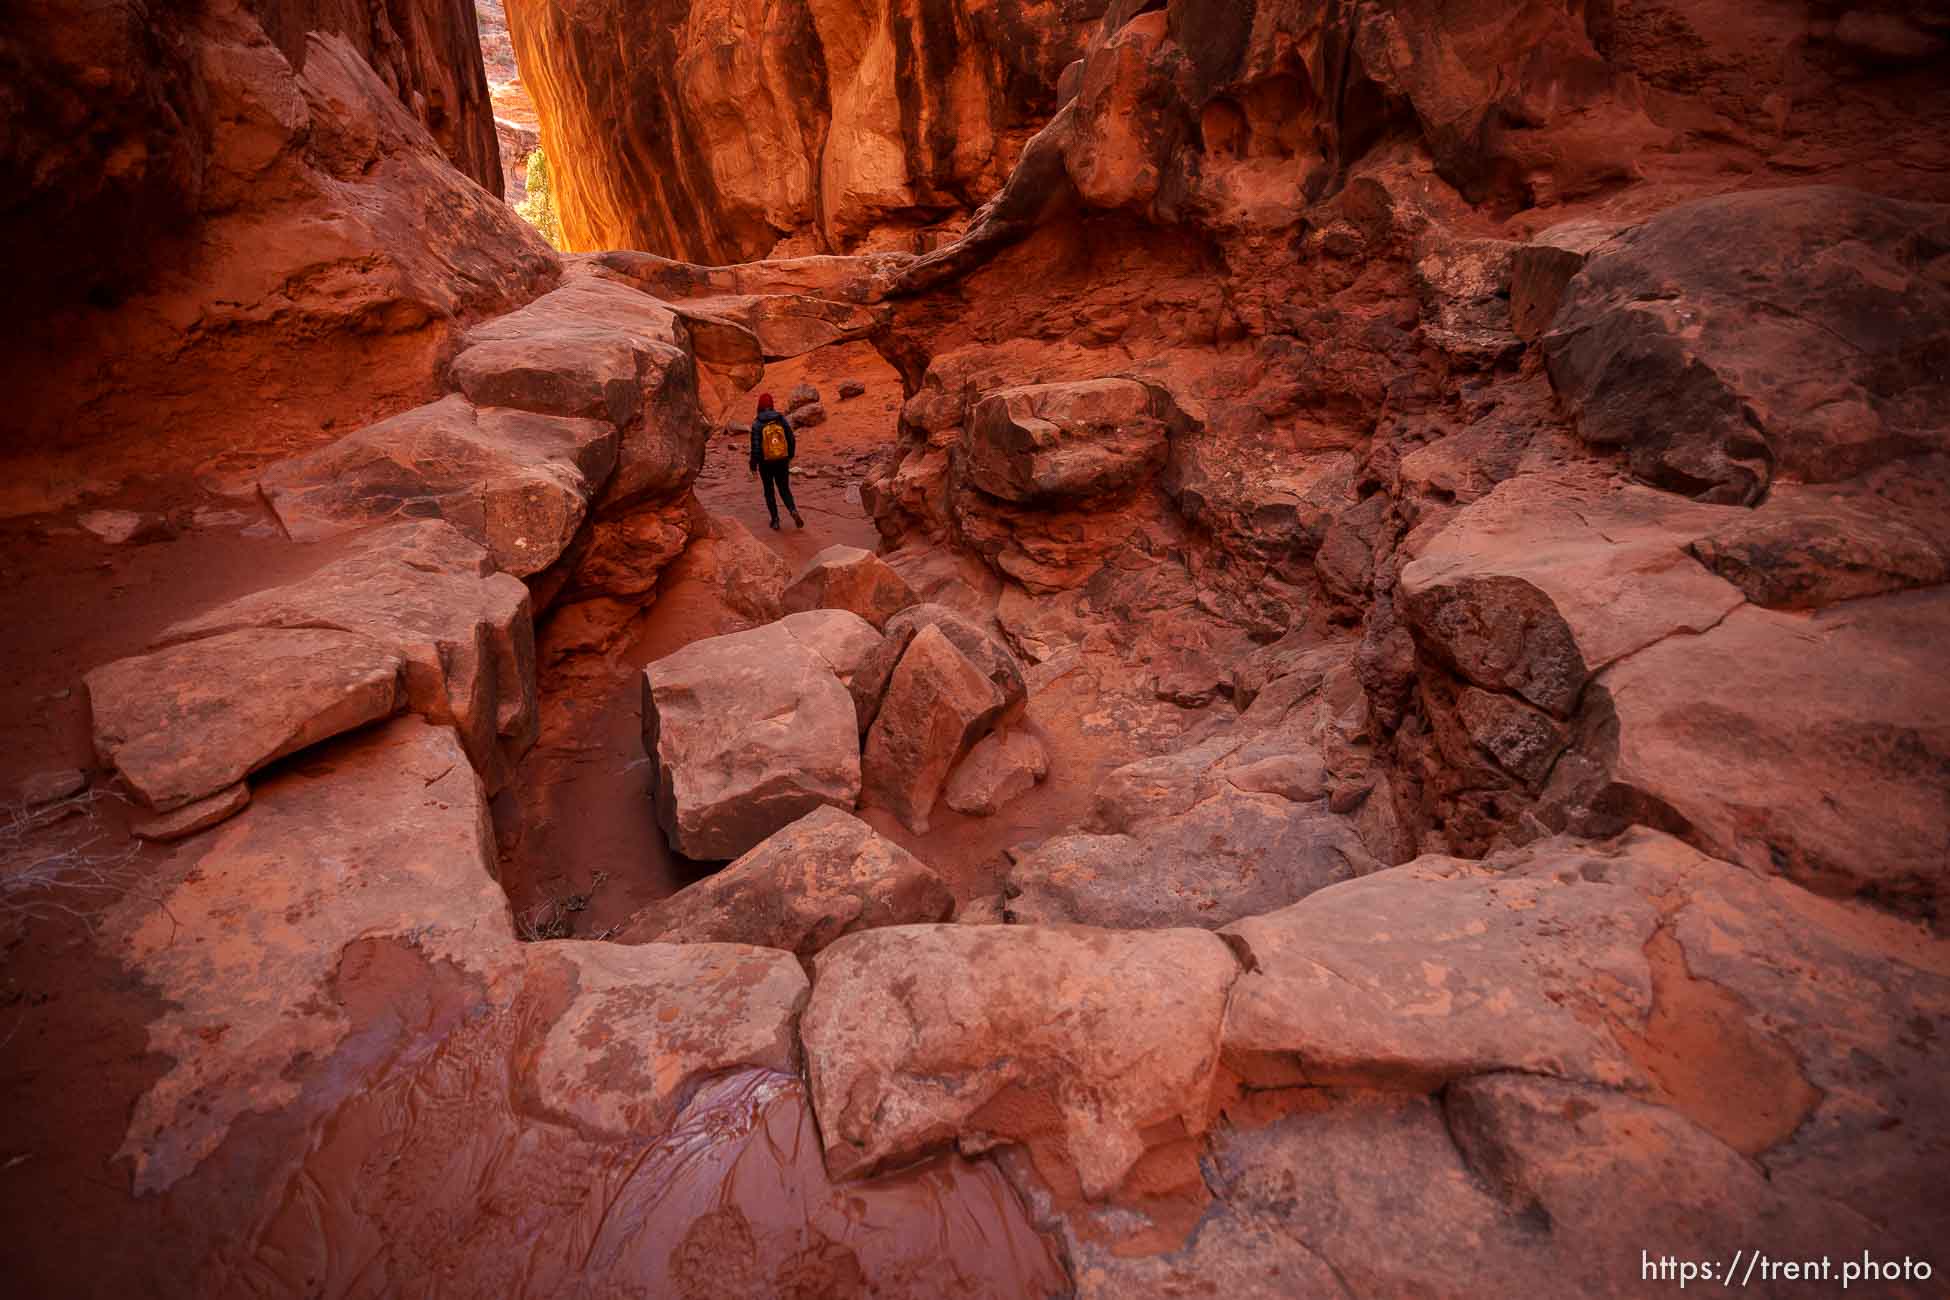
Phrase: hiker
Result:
[773,447]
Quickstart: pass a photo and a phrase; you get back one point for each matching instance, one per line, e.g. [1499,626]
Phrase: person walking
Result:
[773,447]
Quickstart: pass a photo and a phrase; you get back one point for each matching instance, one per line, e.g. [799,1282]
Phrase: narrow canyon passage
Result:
[1358,710]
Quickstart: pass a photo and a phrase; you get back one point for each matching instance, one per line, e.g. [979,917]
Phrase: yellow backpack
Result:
[771,439]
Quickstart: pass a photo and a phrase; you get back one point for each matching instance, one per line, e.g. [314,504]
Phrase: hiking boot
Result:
[775,525]
[798,519]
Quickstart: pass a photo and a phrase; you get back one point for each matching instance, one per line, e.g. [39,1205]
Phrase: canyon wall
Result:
[722,130]
[426,51]
[231,232]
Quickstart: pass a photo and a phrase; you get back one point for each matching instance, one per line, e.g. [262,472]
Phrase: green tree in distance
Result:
[538,209]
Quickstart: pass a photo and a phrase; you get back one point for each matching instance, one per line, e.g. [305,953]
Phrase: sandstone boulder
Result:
[826,875]
[192,719]
[851,647]
[747,733]
[1779,331]
[1501,970]
[646,1025]
[1544,581]
[850,389]
[1046,444]
[426,593]
[1001,768]
[846,577]
[520,484]
[601,349]
[749,576]
[810,416]
[1234,855]
[1845,705]
[802,395]
[918,1036]
[592,348]
[982,648]
[937,705]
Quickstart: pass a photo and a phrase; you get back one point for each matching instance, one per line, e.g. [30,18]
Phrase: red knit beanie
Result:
[764,401]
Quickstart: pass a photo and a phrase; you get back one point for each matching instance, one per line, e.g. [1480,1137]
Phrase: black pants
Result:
[776,475]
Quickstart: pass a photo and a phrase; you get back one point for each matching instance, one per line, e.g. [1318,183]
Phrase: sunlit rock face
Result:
[514,111]
[719,130]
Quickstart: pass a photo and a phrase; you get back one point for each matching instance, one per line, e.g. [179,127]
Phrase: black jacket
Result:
[791,442]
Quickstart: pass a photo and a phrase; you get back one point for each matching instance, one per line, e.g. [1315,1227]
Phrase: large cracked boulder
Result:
[187,721]
[427,594]
[747,733]
[1505,968]
[1848,706]
[1045,444]
[600,349]
[1797,332]
[826,875]
[518,483]
[646,1025]
[1088,1045]
[981,647]
[1234,855]
[851,646]
[1768,1056]
[849,578]
[938,704]
[1546,580]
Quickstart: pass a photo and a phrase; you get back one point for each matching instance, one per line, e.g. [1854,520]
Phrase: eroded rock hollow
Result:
[1350,701]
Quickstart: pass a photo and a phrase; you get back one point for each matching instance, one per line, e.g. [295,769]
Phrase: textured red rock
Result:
[846,577]
[518,483]
[747,733]
[937,705]
[812,126]
[184,722]
[1811,378]
[826,875]
[999,768]
[295,250]
[427,594]
[917,1036]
